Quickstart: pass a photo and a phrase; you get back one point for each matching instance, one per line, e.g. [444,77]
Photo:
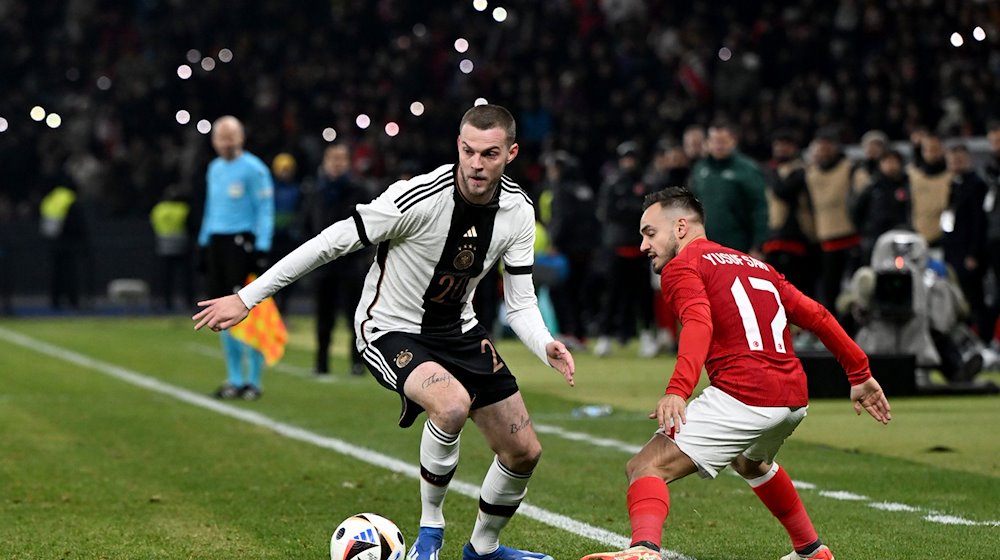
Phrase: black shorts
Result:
[471,358]
[229,262]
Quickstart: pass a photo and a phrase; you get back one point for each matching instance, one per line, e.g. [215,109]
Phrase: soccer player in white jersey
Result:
[437,235]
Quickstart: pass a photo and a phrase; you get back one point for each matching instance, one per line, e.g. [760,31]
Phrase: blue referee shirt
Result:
[240,198]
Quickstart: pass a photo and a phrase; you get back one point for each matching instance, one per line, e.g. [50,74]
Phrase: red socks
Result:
[782,499]
[648,505]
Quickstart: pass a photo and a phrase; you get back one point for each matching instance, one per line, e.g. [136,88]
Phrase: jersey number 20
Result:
[749,315]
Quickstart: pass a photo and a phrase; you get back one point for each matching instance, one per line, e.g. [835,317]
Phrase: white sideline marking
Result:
[290,431]
[843,495]
[930,515]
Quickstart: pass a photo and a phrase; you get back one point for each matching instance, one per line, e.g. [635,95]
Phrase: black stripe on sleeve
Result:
[518,269]
[358,223]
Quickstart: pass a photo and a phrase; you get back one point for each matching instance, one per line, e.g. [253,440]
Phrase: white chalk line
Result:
[928,515]
[290,431]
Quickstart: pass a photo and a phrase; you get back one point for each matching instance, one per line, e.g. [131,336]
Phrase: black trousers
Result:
[628,299]
[337,290]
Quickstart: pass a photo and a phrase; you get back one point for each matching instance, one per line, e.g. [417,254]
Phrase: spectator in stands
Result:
[883,205]
[874,143]
[575,233]
[288,215]
[628,290]
[731,187]
[929,181]
[791,244]
[963,223]
[991,205]
[828,179]
[694,143]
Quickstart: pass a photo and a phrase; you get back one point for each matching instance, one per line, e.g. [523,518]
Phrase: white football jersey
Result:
[433,248]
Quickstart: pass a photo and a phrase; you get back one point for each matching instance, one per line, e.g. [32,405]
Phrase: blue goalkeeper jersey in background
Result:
[240,199]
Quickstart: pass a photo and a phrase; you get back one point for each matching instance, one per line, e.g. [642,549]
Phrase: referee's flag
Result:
[263,330]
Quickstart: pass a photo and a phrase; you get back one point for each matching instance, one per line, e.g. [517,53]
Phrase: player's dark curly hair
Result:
[676,197]
[485,117]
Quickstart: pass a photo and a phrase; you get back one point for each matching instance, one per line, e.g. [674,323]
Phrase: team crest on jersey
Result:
[465,257]
[404,358]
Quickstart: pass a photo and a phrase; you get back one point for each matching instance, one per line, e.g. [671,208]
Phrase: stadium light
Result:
[461,45]
[184,71]
[391,128]
[183,117]
[3,124]
[37,113]
[480,5]
[979,33]
[329,134]
[956,39]
[208,64]
[417,108]
[363,121]
[193,56]
[204,126]
[500,14]
[225,55]
[480,101]
[53,120]
[725,54]
[466,66]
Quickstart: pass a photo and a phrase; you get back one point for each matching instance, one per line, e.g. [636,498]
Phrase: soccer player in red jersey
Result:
[734,311]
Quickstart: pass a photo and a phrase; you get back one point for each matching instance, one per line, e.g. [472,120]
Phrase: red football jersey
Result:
[750,354]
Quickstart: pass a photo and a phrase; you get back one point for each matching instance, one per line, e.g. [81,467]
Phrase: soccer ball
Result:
[367,536]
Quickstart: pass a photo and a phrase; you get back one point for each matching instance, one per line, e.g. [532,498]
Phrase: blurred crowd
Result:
[613,98]
[581,75]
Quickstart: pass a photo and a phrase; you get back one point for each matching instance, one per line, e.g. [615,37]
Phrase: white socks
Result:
[501,494]
[438,460]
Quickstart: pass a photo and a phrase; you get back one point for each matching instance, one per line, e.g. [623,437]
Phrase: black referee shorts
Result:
[229,262]
[471,358]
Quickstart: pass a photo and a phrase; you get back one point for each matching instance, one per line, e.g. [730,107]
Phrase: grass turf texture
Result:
[92,467]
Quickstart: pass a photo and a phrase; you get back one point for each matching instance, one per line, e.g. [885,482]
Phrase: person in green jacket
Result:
[731,187]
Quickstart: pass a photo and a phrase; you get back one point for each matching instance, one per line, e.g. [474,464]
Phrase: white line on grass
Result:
[928,515]
[290,431]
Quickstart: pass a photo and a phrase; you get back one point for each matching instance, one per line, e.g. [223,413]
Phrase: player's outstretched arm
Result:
[221,313]
[869,396]
[561,359]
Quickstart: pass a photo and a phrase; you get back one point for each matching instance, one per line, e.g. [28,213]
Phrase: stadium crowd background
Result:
[580,75]
[132,81]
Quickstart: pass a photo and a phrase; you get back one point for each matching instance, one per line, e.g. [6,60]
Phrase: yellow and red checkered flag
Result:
[263,330]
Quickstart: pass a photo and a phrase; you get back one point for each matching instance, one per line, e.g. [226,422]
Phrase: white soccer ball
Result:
[367,536]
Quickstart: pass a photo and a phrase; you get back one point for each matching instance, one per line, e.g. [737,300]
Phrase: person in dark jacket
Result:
[629,291]
[731,187]
[883,205]
[338,284]
[991,206]
[964,225]
[575,233]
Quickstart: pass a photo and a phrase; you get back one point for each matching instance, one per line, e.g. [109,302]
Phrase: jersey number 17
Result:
[749,315]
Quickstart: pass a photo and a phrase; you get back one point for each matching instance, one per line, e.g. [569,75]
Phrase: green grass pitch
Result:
[95,466]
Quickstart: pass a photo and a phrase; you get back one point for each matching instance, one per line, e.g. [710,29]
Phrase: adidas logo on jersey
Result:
[471,232]
[366,536]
